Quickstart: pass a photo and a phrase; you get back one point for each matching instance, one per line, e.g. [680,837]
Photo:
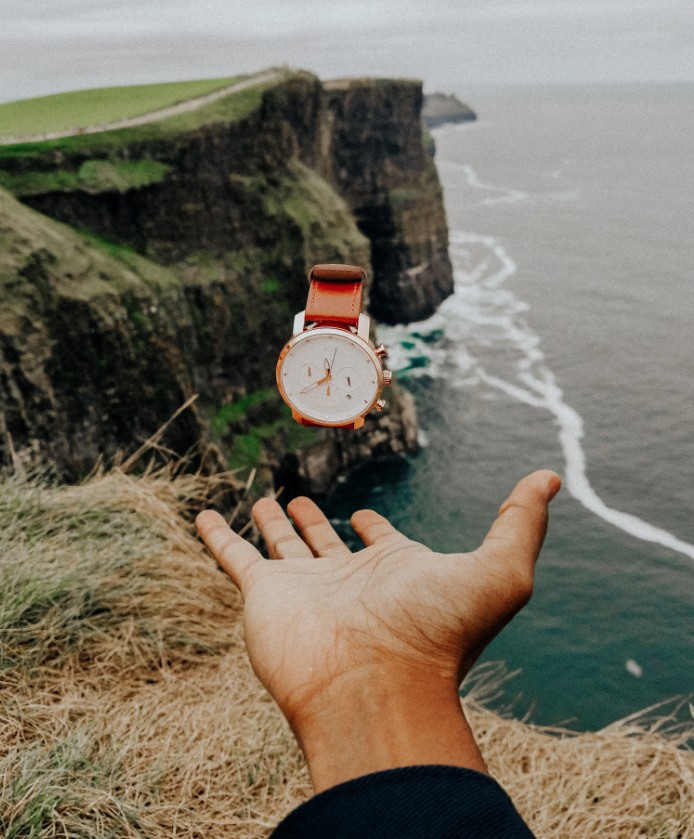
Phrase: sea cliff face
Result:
[174,259]
[380,167]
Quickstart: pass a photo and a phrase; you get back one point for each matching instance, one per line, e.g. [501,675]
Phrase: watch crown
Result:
[380,404]
[381,351]
[387,378]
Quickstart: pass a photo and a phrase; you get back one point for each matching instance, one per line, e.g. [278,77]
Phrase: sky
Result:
[48,46]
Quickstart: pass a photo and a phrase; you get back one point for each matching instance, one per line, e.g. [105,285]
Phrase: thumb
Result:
[232,552]
[514,540]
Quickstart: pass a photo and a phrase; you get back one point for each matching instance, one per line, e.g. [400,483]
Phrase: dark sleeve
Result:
[415,802]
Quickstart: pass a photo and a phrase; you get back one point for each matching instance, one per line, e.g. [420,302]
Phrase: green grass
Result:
[227,110]
[85,108]
[234,411]
[43,260]
[320,213]
[92,176]
[255,423]
[246,449]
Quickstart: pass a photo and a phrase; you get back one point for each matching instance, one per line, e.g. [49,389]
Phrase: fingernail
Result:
[553,486]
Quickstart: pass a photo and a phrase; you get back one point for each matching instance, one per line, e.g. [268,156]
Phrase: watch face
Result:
[329,376]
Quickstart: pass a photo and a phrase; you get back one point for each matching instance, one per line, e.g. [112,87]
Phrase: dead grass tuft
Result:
[129,708]
[100,575]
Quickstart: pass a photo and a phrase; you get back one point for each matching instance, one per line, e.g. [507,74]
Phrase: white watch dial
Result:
[329,376]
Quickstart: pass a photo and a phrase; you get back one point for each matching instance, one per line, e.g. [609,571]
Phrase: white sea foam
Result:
[508,195]
[481,313]
[504,196]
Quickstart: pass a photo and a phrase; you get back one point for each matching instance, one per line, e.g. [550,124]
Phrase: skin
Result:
[364,652]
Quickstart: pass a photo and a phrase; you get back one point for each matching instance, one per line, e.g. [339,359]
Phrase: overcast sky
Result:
[53,45]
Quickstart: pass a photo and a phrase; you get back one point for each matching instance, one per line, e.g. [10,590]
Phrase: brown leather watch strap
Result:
[335,293]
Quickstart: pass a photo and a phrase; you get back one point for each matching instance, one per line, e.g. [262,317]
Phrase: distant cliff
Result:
[442,108]
[182,266]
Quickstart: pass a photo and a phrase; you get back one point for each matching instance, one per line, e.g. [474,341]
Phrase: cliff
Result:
[442,108]
[379,164]
[173,261]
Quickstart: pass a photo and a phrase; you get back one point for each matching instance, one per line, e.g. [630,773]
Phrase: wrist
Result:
[359,725]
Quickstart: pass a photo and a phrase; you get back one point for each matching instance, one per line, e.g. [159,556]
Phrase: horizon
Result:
[527,85]
[88,44]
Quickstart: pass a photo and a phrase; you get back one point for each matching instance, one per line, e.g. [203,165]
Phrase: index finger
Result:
[235,555]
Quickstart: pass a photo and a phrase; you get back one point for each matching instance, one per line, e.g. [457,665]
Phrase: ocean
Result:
[568,344]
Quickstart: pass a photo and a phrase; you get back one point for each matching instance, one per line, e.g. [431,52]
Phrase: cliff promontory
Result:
[442,108]
[141,266]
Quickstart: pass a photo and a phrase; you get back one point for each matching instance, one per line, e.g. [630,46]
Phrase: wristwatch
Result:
[329,373]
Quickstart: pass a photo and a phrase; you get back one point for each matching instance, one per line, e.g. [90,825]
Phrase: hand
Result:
[364,652]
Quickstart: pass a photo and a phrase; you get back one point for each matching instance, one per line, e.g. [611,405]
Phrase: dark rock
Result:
[381,168]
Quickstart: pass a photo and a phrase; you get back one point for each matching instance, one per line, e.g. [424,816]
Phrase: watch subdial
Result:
[346,380]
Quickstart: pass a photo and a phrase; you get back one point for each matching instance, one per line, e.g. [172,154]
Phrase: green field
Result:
[85,108]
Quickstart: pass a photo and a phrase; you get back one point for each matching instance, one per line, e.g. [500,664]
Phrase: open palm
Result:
[394,610]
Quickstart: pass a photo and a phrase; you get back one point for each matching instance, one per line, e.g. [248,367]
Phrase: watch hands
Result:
[329,364]
[322,381]
[328,374]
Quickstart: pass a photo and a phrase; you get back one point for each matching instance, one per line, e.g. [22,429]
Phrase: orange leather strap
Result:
[304,421]
[335,294]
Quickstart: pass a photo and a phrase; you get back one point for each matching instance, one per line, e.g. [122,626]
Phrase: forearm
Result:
[360,726]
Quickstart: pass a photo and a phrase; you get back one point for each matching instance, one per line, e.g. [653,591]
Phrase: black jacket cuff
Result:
[414,802]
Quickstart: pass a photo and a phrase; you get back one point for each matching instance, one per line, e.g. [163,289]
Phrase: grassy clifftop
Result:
[85,120]
[84,108]
[130,710]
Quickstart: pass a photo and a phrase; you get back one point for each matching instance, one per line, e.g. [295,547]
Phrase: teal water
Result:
[568,344]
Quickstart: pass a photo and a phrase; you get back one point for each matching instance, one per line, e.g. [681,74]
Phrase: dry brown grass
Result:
[129,708]
[628,780]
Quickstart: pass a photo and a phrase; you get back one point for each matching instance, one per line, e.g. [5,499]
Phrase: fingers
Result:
[315,529]
[373,527]
[515,538]
[282,541]
[232,552]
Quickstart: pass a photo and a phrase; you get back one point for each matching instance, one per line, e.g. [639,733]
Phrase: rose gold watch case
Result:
[357,420]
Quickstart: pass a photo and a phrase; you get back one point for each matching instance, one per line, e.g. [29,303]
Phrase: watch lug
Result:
[363,325]
[299,320]
[358,422]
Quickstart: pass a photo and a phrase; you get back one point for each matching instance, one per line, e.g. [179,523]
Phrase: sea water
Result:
[568,344]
